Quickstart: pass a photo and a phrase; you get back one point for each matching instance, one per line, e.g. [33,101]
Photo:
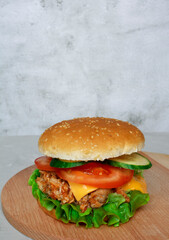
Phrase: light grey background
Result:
[61,59]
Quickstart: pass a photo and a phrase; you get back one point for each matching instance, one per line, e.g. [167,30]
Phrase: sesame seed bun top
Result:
[84,139]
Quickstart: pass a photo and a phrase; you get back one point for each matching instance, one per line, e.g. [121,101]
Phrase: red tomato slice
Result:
[93,174]
[97,175]
[43,163]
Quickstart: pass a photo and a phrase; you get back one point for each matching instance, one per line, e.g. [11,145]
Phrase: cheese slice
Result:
[80,190]
[136,183]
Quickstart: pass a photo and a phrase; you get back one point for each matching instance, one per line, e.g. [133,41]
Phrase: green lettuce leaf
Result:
[138,172]
[137,199]
[114,212]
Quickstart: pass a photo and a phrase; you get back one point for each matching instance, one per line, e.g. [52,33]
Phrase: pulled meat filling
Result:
[59,189]
[55,187]
[94,199]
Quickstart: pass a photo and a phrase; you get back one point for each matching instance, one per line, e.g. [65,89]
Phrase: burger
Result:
[91,172]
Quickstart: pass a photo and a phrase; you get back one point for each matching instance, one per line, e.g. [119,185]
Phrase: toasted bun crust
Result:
[84,139]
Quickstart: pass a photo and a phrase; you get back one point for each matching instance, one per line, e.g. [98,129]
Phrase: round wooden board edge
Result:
[16,224]
[30,232]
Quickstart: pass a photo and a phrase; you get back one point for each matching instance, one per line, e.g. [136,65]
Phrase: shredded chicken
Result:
[57,188]
[95,199]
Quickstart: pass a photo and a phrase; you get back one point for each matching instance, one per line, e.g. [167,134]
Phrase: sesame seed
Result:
[67,134]
[118,124]
[97,134]
[131,132]
[117,134]
[92,121]
[64,126]
[92,137]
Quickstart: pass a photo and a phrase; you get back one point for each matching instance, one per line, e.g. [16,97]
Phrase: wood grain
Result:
[149,222]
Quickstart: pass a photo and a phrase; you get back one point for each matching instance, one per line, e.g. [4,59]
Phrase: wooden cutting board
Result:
[149,222]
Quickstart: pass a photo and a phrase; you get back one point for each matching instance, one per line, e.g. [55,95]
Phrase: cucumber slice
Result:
[65,164]
[133,161]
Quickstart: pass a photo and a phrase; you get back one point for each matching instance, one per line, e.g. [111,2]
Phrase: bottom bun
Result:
[50,213]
